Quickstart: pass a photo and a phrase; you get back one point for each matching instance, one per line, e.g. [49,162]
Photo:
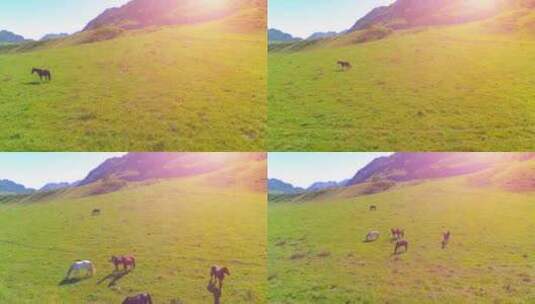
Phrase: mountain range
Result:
[278,36]
[404,167]
[219,169]
[277,186]
[10,37]
[412,13]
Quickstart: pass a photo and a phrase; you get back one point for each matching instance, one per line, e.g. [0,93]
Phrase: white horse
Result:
[372,236]
[78,266]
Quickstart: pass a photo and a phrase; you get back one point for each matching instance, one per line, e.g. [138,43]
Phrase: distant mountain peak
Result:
[276,35]
[322,35]
[277,186]
[53,36]
[11,188]
[10,37]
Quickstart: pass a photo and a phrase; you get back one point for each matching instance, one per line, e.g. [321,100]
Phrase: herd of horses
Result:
[398,237]
[217,276]
[128,263]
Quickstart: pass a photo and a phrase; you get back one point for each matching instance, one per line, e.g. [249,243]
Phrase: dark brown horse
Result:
[217,275]
[401,244]
[42,74]
[344,65]
[126,261]
[373,208]
[95,212]
[445,239]
[143,298]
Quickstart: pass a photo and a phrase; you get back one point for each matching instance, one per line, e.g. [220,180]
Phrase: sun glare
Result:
[482,4]
[214,4]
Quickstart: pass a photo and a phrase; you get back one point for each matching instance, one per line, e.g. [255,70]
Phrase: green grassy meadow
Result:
[451,88]
[181,88]
[176,229]
[317,253]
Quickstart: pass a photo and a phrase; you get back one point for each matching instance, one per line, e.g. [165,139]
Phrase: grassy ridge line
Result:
[155,90]
[317,254]
[176,229]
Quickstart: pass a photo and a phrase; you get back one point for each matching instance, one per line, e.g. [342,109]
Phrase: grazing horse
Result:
[42,74]
[445,239]
[81,265]
[143,298]
[397,234]
[125,261]
[372,236]
[95,212]
[373,208]
[344,65]
[217,275]
[401,244]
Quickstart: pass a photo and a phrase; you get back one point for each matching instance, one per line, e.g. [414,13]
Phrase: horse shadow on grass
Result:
[32,83]
[113,277]
[215,291]
[71,281]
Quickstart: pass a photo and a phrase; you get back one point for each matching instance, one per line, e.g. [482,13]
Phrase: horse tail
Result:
[149,298]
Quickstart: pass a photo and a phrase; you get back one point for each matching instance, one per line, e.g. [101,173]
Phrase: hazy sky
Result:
[303,169]
[34,170]
[304,17]
[35,18]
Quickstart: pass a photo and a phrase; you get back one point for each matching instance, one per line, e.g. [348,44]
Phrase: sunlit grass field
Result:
[177,229]
[453,88]
[185,88]
[317,253]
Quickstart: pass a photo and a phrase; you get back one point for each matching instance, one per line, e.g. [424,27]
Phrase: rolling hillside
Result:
[460,87]
[196,86]
[177,227]
[317,253]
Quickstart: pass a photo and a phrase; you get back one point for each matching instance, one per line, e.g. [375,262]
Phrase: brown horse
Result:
[143,298]
[397,234]
[373,208]
[344,65]
[401,244]
[445,239]
[217,275]
[42,74]
[126,261]
[95,212]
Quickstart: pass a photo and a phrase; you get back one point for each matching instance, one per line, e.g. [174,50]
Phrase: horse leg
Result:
[69,273]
